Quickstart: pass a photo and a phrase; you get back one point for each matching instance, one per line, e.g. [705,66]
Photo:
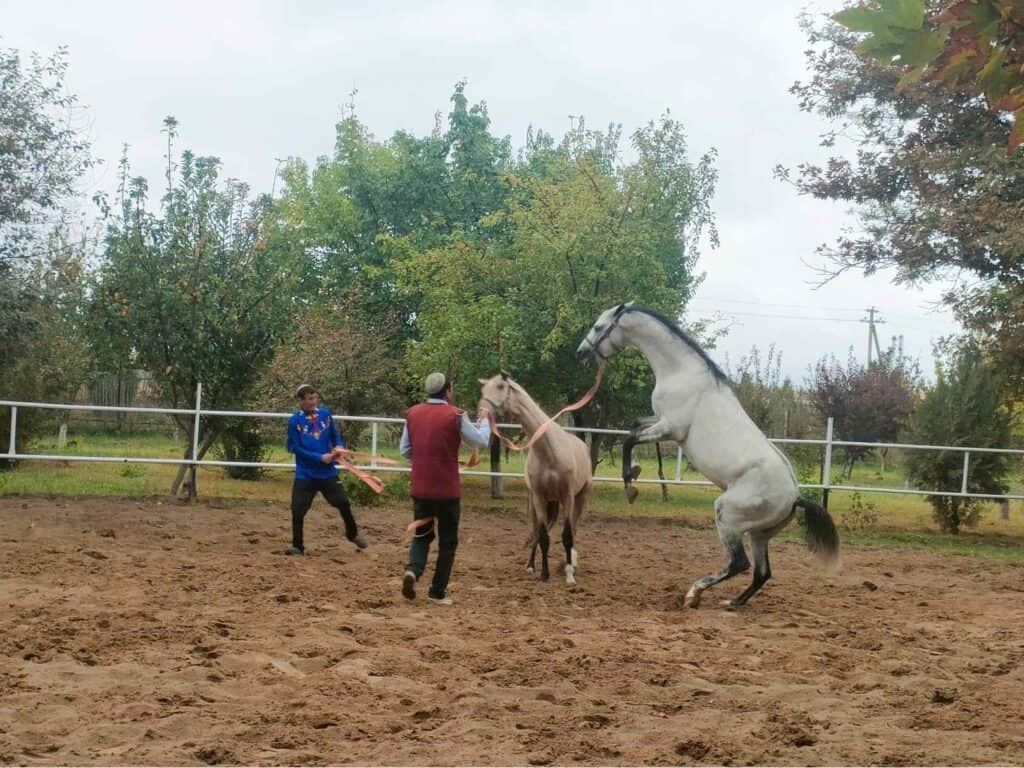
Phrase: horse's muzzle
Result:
[586,353]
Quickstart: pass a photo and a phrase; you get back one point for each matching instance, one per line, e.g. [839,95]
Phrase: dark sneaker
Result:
[359,541]
[294,551]
[409,585]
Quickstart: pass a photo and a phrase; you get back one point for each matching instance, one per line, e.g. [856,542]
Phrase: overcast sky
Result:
[251,82]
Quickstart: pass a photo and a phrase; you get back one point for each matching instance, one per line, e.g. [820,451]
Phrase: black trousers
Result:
[303,492]
[446,520]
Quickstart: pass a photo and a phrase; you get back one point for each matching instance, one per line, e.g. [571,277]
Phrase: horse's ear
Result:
[620,309]
[628,304]
[504,375]
[483,382]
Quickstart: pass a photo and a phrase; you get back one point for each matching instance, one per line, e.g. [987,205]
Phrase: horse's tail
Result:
[820,532]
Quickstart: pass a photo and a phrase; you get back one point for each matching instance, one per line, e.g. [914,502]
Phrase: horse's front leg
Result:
[648,430]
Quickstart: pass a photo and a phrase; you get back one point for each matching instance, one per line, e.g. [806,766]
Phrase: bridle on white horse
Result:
[596,346]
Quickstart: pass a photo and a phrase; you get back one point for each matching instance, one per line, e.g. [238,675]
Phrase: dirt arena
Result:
[141,633]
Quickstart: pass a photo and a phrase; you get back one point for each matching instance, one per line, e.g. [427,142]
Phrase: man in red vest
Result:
[433,432]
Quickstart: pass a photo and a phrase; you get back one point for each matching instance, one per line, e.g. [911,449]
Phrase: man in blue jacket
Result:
[312,437]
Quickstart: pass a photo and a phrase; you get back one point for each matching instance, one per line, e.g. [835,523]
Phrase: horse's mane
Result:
[679,333]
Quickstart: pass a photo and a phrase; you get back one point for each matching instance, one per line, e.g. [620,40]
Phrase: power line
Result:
[771,304]
[731,313]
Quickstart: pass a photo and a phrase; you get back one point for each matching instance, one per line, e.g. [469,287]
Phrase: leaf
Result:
[911,77]
[908,14]
[992,79]
[958,64]
[921,47]
[880,49]
[860,19]
[1012,101]
[1017,134]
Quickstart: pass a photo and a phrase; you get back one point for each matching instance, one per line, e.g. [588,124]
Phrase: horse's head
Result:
[604,337]
[495,393]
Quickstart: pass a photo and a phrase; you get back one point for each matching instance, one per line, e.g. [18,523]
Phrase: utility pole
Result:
[872,333]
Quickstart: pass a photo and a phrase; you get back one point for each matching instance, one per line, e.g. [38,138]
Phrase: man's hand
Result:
[481,414]
[327,458]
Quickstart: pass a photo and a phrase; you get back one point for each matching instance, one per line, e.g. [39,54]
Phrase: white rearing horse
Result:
[695,406]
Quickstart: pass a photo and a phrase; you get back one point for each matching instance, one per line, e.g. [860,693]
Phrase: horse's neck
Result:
[667,354]
[527,412]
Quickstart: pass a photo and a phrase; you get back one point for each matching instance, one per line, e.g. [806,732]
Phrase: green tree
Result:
[345,354]
[961,409]
[42,157]
[935,192]
[357,213]
[579,232]
[52,354]
[200,293]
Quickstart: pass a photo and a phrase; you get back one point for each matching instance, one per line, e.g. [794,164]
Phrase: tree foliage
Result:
[961,409]
[867,404]
[342,352]
[41,153]
[42,264]
[200,292]
[971,45]
[773,403]
[493,261]
[579,232]
[936,194]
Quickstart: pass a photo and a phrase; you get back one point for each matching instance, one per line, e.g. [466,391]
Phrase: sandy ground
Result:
[162,634]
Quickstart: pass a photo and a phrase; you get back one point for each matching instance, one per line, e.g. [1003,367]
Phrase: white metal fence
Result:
[197,413]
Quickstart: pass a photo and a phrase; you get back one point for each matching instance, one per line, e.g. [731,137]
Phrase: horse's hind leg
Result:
[545,542]
[738,562]
[762,569]
[540,534]
[570,551]
[533,535]
[573,509]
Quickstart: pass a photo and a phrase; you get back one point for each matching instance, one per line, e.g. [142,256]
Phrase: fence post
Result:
[967,462]
[12,449]
[195,423]
[679,463]
[826,469]
[373,445]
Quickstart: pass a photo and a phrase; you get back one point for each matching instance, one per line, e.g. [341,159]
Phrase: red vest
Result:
[435,435]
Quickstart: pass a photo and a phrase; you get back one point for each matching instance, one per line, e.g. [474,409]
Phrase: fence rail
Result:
[828,443]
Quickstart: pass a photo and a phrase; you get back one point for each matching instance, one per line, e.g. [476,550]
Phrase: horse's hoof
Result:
[529,569]
[692,599]
[631,494]
[729,605]
[634,471]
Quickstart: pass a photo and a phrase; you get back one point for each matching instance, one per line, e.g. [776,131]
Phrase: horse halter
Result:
[494,406]
[596,346]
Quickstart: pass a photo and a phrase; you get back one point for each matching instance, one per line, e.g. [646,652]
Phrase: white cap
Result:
[435,384]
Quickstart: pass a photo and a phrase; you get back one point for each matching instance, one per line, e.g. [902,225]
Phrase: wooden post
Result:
[495,448]
[661,473]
